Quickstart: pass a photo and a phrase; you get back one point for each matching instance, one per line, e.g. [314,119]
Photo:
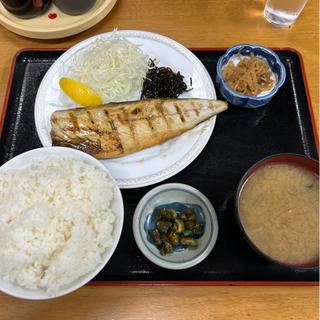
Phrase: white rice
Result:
[55,222]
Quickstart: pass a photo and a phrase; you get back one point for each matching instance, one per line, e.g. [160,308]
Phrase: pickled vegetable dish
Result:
[176,229]
[250,76]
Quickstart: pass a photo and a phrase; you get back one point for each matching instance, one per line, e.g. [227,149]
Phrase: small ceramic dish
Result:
[246,101]
[297,160]
[176,196]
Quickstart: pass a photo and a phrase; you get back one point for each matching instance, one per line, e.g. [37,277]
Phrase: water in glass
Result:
[283,12]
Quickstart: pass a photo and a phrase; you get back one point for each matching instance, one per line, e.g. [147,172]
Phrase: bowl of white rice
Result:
[61,217]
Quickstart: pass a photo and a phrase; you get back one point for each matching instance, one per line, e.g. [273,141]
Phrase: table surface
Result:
[194,23]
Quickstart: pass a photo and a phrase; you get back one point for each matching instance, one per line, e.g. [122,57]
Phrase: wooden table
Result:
[194,23]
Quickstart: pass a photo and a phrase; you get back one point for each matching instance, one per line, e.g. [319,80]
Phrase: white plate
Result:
[165,194]
[154,164]
[25,160]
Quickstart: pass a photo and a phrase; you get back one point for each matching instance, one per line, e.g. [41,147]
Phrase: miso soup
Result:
[279,210]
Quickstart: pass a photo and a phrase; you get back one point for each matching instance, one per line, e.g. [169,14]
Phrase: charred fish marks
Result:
[179,111]
[73,121]
[131,133]
[195,108]
[136,111]
[118,145]
[119,129]
[90,117]
[159,108]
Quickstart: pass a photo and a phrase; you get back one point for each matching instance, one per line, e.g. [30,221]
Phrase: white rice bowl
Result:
[61,216]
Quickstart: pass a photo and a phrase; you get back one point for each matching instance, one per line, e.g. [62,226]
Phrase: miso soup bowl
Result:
[298,160]
[247,101]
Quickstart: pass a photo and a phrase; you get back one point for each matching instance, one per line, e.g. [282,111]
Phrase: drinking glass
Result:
[283,13]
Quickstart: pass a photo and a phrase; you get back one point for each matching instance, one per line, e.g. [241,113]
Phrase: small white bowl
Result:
[170,193]
[25,160]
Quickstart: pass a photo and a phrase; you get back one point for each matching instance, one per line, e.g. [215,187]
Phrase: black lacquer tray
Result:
[240,138]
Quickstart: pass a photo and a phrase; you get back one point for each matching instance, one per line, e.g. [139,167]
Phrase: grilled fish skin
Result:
[119,129]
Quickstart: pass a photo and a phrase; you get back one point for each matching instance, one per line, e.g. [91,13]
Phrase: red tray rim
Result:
[184,283]
[204,283]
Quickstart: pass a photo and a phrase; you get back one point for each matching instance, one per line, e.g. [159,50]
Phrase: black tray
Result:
[240,138]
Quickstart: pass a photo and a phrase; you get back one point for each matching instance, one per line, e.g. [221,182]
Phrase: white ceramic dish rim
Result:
[144,248]
[43,153]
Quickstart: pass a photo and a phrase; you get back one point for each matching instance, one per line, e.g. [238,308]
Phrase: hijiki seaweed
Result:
[162,82]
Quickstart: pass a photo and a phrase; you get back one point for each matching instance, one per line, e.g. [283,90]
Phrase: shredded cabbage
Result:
[114,68]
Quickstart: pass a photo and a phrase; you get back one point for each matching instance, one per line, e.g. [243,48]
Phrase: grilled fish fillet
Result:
[118,129]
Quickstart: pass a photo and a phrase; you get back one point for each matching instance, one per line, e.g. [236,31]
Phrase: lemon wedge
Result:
[80,93]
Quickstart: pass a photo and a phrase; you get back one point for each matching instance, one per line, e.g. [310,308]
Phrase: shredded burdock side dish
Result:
[251,76]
